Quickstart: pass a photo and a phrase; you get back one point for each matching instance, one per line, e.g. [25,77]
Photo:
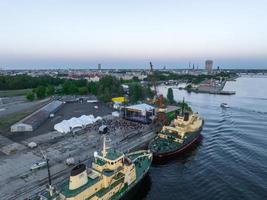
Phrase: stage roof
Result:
[142,107]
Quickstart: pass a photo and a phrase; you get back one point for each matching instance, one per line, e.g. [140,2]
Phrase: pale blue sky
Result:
[122,33]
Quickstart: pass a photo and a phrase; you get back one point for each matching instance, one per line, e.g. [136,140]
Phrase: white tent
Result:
[62,127]
[67,125]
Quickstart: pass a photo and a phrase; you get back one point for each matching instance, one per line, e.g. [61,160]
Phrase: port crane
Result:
[158,98]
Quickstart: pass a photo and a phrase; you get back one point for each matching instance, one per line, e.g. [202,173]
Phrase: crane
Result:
[158,99]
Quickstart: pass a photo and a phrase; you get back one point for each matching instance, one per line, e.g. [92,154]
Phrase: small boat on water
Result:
[113,174]
[175,139]
[225,105]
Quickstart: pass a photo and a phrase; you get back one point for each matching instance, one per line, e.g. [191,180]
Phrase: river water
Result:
[231,160]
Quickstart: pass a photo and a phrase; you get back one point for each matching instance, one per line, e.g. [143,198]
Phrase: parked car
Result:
[38,165]
[70,161]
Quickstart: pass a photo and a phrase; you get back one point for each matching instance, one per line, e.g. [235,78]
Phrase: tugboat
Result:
[112,175]
[175,139]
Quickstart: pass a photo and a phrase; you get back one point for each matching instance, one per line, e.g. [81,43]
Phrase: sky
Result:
[131,33]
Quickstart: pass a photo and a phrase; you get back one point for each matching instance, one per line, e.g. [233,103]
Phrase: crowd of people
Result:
[117,125]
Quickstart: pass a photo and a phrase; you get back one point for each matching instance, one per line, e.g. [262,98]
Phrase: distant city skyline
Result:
[120,34]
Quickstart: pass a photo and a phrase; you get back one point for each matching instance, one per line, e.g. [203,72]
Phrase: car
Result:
[38,165]
[70,161]
[32,145]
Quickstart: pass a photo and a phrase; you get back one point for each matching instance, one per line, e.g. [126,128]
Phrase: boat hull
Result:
[184,148]
[133,188]
[135,185]
[157,157]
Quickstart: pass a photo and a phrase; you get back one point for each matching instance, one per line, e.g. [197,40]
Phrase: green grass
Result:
[10,93]
[8,120]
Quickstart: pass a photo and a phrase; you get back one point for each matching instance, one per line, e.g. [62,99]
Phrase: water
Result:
[231,160]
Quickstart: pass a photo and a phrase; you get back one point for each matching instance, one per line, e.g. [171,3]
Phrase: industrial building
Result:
[143,113]
[34,120]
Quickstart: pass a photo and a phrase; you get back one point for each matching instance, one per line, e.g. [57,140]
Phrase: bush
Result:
[40,92]
[30,96]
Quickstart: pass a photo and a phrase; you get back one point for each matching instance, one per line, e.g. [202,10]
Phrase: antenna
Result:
[104,151]
[183,107]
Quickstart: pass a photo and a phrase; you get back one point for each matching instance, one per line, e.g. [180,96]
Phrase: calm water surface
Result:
[231,160]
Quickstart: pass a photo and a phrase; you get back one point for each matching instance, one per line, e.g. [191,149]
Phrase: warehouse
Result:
[34,120]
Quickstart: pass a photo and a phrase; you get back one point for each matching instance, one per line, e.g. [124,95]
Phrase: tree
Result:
[40,92]
[50,90]
[92,87]
[108,87]
[170,96]
[136,92]
[83,90]
[69,87]
[30,96]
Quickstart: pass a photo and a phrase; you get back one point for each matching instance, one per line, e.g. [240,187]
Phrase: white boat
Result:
[225,105]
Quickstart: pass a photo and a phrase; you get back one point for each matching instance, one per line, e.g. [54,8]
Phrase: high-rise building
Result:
[208,66]
[99,67]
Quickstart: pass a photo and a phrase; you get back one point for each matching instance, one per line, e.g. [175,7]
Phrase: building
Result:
[208,66]
[34,120]
[143,113]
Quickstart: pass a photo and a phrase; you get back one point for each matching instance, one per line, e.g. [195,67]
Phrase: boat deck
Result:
[161,145]
[141,161]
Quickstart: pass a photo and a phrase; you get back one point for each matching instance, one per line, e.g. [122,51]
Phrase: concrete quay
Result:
[18,182]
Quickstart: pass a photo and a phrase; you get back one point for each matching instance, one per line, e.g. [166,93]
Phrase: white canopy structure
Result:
[76,122]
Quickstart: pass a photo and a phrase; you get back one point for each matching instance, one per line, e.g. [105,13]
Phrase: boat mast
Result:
[104,151]
[183,107]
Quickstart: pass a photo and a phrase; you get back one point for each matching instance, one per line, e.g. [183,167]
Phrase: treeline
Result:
[25,81]
[68,87]
[107,87]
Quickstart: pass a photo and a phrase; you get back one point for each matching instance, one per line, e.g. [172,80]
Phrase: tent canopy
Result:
[76,122]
